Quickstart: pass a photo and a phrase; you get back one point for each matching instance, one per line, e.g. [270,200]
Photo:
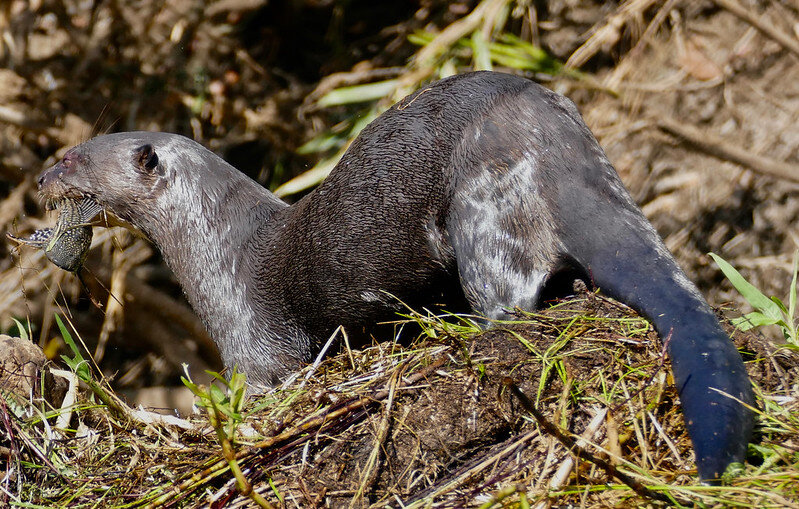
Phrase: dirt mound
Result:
[448,421]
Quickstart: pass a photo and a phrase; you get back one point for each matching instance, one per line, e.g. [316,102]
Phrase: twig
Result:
[319,420]
[562,474]
[570,443]
[651,378]
[320,357]
[470,470]
[15,432]
[425,58]
[610,31]
[371,468]
[786,41]
[716,147]
[632,57]
[306,430]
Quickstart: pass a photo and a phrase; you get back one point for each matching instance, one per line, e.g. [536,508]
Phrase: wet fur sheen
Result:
[478,186]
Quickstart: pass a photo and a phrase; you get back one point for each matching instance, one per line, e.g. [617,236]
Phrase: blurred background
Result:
[695,102]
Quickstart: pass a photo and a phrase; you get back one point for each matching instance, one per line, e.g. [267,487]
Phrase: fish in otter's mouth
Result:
[67,244]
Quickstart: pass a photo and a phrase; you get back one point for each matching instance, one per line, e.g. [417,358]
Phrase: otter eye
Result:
[146,157]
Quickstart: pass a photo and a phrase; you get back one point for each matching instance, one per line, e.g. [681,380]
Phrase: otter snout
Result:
[52,185]
[53,177]
[48,176]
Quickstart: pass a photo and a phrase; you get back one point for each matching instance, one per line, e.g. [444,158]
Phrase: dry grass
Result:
[439,423]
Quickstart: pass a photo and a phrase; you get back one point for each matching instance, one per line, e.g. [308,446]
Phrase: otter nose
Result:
[49,175]
[45,178]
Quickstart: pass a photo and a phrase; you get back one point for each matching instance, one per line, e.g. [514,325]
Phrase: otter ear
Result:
[146,159]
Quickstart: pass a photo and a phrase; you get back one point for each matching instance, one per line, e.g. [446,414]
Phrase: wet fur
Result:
[479,186]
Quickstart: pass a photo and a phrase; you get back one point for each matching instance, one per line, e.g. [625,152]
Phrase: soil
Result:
[461,425]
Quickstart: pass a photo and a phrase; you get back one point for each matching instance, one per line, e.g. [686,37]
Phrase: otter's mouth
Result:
[56,202]
[68,242]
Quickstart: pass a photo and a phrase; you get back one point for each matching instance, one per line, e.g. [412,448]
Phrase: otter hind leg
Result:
[504,252]
[492,289]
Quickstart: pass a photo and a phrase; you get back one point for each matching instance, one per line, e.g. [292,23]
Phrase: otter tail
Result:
[627,260]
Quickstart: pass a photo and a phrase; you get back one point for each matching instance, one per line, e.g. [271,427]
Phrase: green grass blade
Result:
[754,296]
[480,52]
[779,304]
[77,363]
[742,323]
[792,294]
[321,143]
[23,332]
[421,38]
[755,319]
[358,93]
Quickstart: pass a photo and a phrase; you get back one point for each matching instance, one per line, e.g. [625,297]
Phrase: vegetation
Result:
[595,372]
[769,311]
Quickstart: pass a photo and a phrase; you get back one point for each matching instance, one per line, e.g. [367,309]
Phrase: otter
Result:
[480,186]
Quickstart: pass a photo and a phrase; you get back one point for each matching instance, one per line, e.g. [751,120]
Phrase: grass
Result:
[440,422]
[768,310]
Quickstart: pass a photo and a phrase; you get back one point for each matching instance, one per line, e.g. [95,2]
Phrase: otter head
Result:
[123,173]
